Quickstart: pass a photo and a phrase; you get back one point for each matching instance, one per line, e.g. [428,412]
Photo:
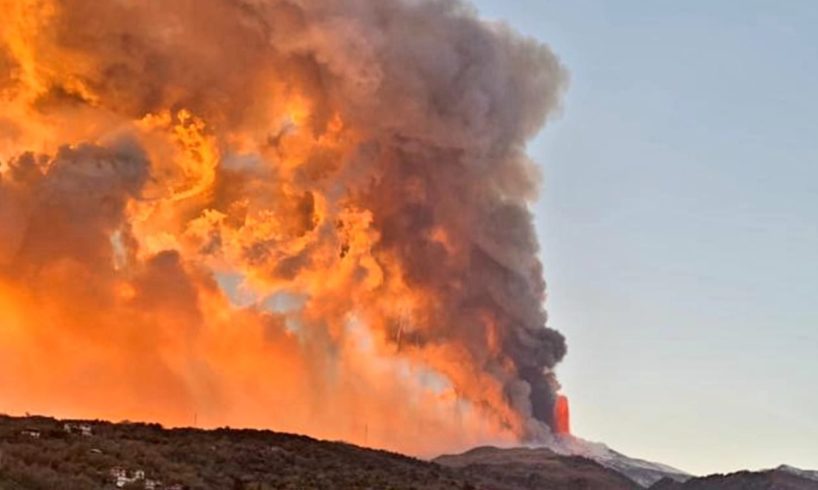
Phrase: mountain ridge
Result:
[43,453]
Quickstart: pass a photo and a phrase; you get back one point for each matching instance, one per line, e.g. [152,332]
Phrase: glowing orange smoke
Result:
[562,416]
[304,215]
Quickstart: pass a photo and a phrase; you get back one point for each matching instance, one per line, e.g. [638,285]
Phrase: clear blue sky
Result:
[679,224]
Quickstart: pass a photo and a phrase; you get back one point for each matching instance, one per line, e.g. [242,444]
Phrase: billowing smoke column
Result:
[304,214]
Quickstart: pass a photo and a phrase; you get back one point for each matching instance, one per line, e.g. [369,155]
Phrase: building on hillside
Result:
[33,433]
[124,477]
[81,429]
[152,484]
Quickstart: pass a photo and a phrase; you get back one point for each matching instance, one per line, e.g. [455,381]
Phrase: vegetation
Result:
[37,453]
[199,459]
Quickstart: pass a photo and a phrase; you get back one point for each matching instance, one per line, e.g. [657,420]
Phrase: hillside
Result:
[38,453]
[644,473]
[537,468]
[781,478]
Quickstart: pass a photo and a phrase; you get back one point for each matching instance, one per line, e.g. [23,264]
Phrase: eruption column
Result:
[273,212]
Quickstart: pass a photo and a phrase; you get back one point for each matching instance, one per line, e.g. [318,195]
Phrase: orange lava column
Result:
[562,416]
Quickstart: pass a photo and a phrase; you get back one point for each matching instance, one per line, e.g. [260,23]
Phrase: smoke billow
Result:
[309,215]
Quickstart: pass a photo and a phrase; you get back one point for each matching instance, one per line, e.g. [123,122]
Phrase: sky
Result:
[679,225]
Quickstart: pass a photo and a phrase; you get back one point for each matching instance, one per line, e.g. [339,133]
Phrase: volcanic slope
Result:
[538,468]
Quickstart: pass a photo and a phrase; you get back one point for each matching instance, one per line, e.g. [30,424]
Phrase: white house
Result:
[152,484]
[81,429]
[31,433]
[123,477]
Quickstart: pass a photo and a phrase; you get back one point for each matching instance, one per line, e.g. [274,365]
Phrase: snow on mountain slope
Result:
[645,473]
[808,474]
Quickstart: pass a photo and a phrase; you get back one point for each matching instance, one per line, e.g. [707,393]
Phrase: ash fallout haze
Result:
[310,215]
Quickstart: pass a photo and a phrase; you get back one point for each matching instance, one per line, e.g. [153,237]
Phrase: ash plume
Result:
[305,214]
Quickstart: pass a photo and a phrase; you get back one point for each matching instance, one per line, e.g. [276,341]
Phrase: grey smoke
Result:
[445,104]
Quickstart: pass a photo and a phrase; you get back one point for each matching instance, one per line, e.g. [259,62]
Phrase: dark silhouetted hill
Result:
[781,478]
[38,453]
